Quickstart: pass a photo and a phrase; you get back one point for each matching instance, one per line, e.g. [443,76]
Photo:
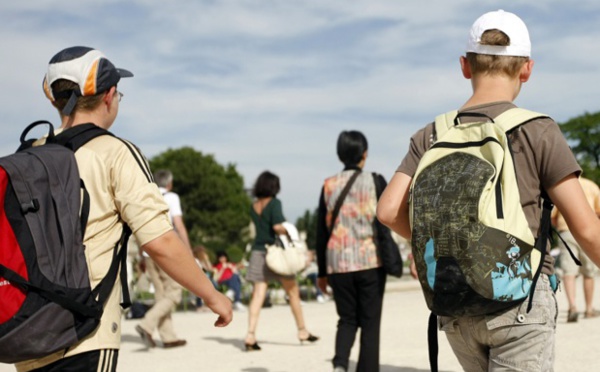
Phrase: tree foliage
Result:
[215,204]
[308,224]
[583,133]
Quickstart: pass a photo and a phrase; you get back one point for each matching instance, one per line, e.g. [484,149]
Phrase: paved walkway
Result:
[403,340]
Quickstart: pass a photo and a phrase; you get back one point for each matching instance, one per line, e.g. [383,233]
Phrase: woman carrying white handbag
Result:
[267,215]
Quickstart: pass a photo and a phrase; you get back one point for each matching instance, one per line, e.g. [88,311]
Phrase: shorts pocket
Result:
[447,324]
[518,316]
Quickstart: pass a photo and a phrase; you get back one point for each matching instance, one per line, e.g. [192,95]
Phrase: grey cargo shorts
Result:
[513,340]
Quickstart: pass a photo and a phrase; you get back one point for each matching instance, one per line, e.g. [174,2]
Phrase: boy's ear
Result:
[525,73]
[465,67]
[108,96]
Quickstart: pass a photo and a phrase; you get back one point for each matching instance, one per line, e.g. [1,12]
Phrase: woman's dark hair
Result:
[222,254]
[351,146]
[267,184]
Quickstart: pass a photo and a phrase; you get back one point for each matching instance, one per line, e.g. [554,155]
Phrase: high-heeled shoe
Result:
[310,338]
[252,347]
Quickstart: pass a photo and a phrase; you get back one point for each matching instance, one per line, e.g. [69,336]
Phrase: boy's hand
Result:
[220,305]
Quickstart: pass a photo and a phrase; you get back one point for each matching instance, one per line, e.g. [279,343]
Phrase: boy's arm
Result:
[583,223]
[392,209]
[171,255]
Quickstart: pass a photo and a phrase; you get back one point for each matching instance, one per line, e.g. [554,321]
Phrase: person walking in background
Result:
[121,191]
[203,260]
[498,62]
[570,270]
[167,292]
[226,273]
[347,256]
[267,215]
[311,273]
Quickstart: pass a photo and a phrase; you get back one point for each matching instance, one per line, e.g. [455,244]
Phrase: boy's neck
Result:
[488,89]
[84,117]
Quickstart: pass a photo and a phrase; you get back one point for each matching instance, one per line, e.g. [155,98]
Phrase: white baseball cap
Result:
[510,24]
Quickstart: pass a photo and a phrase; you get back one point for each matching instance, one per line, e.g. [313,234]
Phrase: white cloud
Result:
[269,84]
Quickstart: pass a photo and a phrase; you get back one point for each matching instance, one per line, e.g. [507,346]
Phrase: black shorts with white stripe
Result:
[92,361]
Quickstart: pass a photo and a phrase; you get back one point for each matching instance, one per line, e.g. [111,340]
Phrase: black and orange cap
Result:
[88,68]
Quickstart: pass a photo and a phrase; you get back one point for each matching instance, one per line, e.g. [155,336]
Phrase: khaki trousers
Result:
[167,294]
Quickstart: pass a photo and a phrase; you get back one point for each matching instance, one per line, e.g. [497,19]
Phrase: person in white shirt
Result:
[167,293]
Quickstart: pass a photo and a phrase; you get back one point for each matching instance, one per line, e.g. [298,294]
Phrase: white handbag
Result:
[288,255]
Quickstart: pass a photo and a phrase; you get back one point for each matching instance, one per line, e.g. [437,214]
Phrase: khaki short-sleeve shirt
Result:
[592,194]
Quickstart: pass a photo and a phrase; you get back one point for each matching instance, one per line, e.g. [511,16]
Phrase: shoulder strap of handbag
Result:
[340,200]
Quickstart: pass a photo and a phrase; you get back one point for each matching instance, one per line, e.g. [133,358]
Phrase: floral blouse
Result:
[350,247]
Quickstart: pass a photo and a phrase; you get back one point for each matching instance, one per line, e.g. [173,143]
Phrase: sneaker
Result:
[230,293]
[238,306]
[321,299]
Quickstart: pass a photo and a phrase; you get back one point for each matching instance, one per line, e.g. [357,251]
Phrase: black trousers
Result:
[91,361]
[358,300]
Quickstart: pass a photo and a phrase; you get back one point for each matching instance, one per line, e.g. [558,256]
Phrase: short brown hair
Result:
[267,185]
[84,103]
[495,65]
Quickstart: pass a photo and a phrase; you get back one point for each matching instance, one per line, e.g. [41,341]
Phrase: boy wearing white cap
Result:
[498,62]
[82,84]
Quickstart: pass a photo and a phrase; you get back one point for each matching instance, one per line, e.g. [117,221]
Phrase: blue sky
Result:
[270,84]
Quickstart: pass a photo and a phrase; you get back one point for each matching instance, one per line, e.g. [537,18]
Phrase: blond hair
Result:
[495,65]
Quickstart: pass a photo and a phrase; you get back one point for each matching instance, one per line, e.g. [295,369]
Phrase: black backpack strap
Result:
[62,300]
[541,242]
[340,200]
[73,138]
[432,342]
[104,288]
[575,259]
[471,114]
[79,135]
[101,291]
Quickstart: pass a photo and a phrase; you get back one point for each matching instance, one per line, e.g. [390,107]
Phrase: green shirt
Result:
[271,215]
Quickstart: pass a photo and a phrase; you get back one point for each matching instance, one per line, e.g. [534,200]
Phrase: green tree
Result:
[583,133]
[308,224]
[214,202]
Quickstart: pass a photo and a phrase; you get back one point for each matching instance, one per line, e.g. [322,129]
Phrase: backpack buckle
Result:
[32,206]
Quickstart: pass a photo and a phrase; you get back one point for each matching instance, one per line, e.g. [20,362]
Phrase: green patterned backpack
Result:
[473,248]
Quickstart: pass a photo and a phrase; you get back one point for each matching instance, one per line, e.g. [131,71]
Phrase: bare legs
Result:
[588,292]
[258,297]
[570,291]
[291,288]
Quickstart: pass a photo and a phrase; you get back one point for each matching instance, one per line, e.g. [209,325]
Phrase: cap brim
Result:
[124,73]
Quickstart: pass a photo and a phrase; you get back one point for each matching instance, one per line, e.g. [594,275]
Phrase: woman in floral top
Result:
[347,257]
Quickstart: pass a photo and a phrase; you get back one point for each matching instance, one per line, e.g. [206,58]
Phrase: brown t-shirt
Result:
[541,154]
